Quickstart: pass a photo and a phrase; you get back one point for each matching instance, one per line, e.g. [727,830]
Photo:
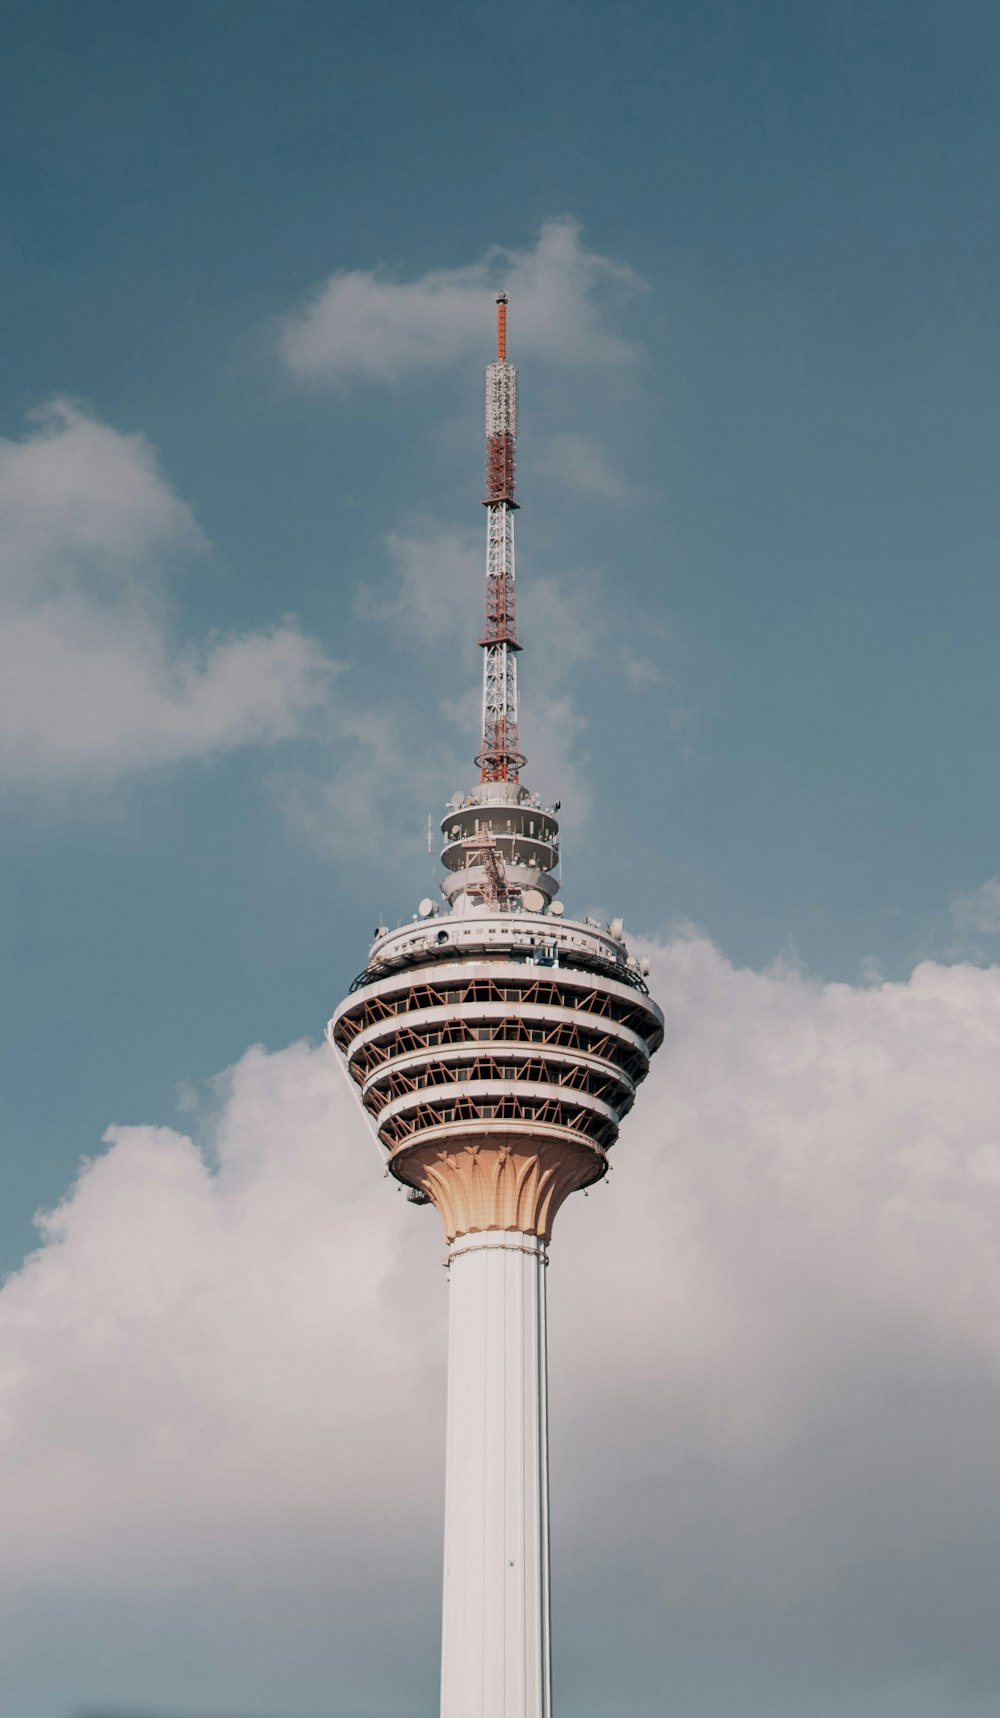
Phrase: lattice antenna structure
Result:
[500,759]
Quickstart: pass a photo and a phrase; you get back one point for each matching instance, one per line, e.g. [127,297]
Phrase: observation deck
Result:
[496,1052]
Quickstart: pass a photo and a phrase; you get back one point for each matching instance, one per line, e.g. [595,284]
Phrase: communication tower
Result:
[496,1045]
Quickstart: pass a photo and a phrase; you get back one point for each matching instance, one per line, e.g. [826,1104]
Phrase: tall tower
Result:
[497,1044]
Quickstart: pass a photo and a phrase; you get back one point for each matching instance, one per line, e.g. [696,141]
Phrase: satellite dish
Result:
[532,900]
[557,908]
[426,907]
[617,928]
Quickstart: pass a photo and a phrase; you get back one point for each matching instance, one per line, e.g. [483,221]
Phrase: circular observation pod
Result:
[497,1085]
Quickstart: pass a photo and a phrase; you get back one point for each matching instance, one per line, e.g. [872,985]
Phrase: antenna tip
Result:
[501,327]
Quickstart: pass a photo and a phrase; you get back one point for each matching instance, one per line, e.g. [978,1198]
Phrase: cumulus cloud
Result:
[188,1369]
[776,1377]
[92,679]
[165,1272]
[363,323]
[799,1356]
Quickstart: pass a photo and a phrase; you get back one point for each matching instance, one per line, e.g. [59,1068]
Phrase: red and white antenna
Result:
[500,759]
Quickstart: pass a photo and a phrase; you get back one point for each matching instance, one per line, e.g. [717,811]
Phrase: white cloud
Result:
[74,489]
[92,681]
[361,323]
[778,1329]
[581,464]
[979,909]
[438,589]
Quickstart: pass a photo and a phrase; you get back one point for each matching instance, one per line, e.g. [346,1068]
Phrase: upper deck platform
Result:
[541,939]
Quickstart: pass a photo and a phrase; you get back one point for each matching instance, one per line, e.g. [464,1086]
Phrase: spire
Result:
[501,845]
[500,759]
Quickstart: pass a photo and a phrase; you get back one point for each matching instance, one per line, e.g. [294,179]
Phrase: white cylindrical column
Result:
[495,1648]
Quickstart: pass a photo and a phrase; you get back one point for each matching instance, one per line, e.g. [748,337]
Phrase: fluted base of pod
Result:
[499,1181]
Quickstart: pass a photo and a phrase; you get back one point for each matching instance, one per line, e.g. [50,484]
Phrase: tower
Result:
[497,1044]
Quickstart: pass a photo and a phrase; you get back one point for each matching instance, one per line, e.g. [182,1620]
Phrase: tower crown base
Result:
[483,1184]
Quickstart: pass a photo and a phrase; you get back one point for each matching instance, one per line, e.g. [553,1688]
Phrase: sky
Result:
[248,256]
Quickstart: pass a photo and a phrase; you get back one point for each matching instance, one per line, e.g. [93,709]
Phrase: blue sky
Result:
[249,255]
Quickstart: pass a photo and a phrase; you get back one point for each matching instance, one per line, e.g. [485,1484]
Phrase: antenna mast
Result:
[500,759]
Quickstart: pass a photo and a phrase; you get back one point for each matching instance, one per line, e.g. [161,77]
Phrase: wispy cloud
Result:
[436,592]
[978,910]
[93,681]
[564,298]
[640,672]
[368,800]
[433,598]
[582,465]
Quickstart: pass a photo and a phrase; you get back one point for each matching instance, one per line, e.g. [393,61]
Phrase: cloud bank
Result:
[361,323]
[776,1378]
[93,681]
